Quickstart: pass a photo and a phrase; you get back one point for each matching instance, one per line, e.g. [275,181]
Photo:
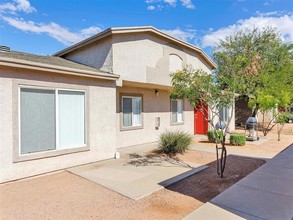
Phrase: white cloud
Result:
[188,4]
[17,6]
[24,5]
[151,7]
[282,23]
[171,2]
[8,8]
[90,31]
[183,35]
[54,30]
[159,4]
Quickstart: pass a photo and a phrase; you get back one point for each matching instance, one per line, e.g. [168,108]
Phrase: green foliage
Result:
[284,117]
[289,116]
[173,142]
[259,65]
[199,87]
[215,136]
[237,139]
[262,65]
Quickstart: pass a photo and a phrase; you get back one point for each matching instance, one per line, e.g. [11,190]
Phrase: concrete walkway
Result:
[136,174]
[267,193]
[239,152]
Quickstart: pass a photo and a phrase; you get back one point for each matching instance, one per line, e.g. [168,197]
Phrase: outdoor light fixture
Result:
[157,92]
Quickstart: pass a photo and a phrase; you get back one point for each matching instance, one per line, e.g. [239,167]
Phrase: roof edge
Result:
[121,30]
[16,63]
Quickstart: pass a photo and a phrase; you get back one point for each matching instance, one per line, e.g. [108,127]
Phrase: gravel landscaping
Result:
[62,195]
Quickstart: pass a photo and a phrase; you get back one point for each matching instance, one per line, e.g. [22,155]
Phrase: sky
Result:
[44,27]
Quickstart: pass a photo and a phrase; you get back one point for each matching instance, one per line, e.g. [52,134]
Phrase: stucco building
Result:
[85,102]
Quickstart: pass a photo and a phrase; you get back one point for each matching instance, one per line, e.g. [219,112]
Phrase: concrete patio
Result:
[136,175]
[267,193]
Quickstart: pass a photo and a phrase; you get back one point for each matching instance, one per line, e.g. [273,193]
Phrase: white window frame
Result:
[141,118]
[177,113]
[56,120]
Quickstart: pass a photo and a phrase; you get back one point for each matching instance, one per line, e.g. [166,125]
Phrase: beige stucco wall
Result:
[153,106]
[101,127]
[136,57]
[144,58]
[98,55]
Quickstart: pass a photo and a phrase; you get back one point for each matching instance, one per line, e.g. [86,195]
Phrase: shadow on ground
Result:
[155,160]
[206,184]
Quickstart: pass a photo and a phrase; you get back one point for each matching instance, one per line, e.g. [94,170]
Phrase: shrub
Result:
[289,116]
[215,135]
[237,139]
[173,142]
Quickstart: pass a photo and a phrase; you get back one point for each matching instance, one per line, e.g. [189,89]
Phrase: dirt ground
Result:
[62,195]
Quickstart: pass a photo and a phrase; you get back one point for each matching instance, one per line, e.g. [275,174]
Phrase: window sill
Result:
[177,123]
[48,154]
[131,128]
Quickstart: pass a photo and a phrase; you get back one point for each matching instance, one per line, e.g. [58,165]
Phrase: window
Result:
[177,111]
[224,114]
[51,119]
[131,110]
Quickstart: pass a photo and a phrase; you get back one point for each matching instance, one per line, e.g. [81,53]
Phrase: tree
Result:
[201,88]
[262,64]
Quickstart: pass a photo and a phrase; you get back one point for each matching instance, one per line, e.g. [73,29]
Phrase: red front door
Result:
[200,122]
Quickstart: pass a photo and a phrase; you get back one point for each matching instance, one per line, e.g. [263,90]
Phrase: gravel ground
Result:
[271,145]
[62,195]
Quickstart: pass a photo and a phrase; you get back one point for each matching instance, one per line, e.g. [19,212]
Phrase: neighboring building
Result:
[242,112]
[85,102]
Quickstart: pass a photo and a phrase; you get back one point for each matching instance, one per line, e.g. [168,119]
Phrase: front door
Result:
[200,122]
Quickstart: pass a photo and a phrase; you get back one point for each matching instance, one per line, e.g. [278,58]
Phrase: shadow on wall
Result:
[152,103]
[54,78]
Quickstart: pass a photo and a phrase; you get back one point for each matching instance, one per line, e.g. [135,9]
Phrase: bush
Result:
[237,139]
[173,142]
[215,135]
[289,116]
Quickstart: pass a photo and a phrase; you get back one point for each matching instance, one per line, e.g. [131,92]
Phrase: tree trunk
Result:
[279,131]
[221,162]
[254,113]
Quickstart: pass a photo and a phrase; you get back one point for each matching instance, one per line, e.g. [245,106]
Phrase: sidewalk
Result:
[239,152]
[267,193]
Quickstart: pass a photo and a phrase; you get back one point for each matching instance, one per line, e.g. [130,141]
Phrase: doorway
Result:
[200,122]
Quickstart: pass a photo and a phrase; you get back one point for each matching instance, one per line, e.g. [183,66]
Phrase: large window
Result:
[131,111]
[177,111]
[51,119]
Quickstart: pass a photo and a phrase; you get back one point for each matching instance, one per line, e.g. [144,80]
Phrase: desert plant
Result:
[237,139]
[173,142]
[215,136]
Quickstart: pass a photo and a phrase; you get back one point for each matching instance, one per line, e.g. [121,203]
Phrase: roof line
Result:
[121,30]
[10,62]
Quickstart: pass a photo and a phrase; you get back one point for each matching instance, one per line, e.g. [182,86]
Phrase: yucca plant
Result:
[174,142]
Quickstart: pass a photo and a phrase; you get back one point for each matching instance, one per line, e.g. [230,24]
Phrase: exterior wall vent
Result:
[4,49]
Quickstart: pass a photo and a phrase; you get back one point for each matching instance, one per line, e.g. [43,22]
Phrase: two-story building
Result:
[85,102]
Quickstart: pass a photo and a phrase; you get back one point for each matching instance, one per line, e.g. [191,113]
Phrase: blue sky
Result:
[47,26]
